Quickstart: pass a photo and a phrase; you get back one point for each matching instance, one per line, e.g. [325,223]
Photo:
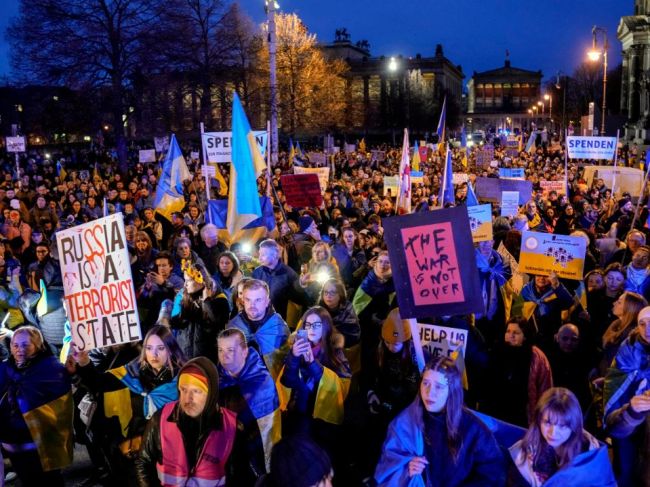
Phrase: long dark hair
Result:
[175,354]
[454,406]
[559,406]
[226,281]
[330,351]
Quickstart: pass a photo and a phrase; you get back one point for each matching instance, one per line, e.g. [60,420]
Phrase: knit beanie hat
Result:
[304,222]
[298,462]
[393,329]
[192,375]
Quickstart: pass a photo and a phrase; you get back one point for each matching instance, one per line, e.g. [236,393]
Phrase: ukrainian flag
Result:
[247,165]
[362,146]
[441,126]
[447,194]
[169,195]
[415,163]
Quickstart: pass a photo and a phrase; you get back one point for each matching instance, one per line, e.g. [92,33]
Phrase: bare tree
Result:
[89,44]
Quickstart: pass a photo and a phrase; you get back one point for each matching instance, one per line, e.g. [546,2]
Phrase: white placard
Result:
[442,340]
[208,171]
[218,145]
[509,203]
[15,144]
[161,144]
[322,172]
[97,282]
[591,147]
[148,155]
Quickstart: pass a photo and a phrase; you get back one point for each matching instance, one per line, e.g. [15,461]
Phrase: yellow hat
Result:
[395,329]
[192,377]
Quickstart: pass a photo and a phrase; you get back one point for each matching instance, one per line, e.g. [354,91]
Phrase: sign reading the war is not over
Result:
[98,285]
[433,263]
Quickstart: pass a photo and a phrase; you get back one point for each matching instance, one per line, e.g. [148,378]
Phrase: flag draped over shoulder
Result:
[404,193]
[247,165]
[447,195]
[169,194]
[416,157]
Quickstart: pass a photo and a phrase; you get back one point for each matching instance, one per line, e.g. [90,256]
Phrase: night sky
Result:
[550,35]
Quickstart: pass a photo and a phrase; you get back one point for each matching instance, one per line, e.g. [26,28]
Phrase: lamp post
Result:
[271,7]
[594,55]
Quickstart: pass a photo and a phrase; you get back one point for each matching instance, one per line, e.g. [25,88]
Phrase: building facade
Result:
[634,34]
[389,93]
[501,99]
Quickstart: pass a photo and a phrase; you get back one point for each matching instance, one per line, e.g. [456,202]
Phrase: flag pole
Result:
[444,179]
[268,160]
[566,167]
[638,203]
[204,154]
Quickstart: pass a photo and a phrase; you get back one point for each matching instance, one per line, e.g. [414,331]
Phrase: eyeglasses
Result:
[330,293]
[316,325]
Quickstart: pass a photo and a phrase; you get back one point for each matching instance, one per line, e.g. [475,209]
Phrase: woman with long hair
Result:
[556,450]
[133,392]
[626,309]
[228,273]
[350,257]
[437,441]
[333,298]
[145,257]
[320,268]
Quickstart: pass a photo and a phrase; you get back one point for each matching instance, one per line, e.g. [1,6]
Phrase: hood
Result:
[211,410]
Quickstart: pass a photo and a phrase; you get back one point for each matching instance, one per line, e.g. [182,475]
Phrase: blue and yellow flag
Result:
[472,200]
[247,165]
[441,127]
[362,145]
[530,146]
[415,163]
[169,195]
[292,152]
[299,151]
[447,195]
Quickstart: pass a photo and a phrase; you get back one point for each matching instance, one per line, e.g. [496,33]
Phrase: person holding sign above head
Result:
[437,441]
[556,451]
[132,393]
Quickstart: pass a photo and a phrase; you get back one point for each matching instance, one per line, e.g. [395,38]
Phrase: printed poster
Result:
[480,222]
[433,263]
[542,253]
[509,203]
[391,183]
[98,287]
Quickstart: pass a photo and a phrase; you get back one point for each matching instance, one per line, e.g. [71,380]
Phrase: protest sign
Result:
[489,189]
[208,171]
[580,147]
[509,203]
[512,141]
[147,155]
[442,341]
[459,178]
[548,186]
[512,152]
[485,156]
[424,153]
[218,145]
[302,190]
[161,144]
[322,172]
[512,173]
[97,283]
[318,158]
[542,253]
[627,179]
[377,155]
[391,183]
[433,263]
[480,222]
[349,148]
[15,144]
[194,155]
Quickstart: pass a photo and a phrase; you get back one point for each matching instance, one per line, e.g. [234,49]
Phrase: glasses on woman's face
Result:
[316,325]
[330,292]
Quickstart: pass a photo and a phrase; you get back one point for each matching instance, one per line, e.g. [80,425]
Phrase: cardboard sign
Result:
[218,145]
[591,147]
[439,341]
[509,203]
[147,155]
[489,189]
[98,286]
[15,144]
[433,263]
[391,183]
[542,253]
[161,144]
[485,156]
[480,222]
[548,186]
[459,178]
[302,190]
[512,173]
[626,178]
[323,174]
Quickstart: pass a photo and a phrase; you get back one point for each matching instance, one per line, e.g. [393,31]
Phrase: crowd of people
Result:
[285,361]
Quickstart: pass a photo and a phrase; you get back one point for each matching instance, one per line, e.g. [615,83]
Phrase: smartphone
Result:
[302,335]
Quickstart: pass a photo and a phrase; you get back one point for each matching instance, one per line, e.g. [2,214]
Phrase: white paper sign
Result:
[15,144]
[208,171]
[509,203]
[147,155]
[442,340]
[97,282]
[218,145]
[161,144]
[591,147]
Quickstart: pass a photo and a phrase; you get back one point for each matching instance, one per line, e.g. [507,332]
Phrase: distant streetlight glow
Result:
[392,64]
[593,55]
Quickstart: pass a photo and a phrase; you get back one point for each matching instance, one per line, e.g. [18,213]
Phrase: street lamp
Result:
[392,64]
[541,104]
[271,7]
[594,56]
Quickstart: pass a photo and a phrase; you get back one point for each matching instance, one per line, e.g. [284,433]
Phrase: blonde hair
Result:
[35,336]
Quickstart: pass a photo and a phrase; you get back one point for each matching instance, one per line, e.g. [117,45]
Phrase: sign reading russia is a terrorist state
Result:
[98,285]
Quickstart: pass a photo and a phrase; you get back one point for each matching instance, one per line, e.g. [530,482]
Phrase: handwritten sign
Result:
[302,190]
[480,222]
[442,341]
[489,189]
[542,253]
[147,155]
[323,174]
[548,186]
[161,144]
[509,203]
[97,283]
[15,144]
[391,183]
[433,263]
